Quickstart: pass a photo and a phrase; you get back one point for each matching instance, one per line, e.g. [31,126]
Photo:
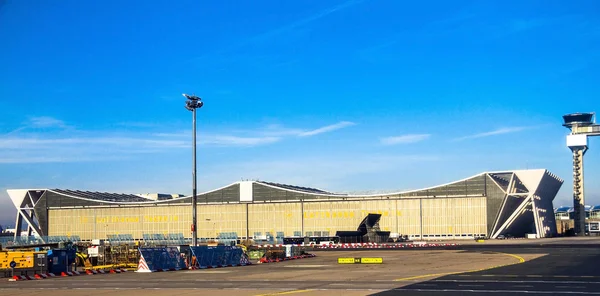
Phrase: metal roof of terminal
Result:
[297,188]
[102,196]
[524,178]
[571,209]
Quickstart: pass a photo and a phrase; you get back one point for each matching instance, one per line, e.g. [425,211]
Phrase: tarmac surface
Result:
[563,271]
[510,269]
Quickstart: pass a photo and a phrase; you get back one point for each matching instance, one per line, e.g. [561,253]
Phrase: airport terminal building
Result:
[488,204]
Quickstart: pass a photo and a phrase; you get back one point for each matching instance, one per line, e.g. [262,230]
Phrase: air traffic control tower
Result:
[581,125]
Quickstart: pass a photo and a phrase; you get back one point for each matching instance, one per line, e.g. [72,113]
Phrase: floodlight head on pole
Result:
[193,102]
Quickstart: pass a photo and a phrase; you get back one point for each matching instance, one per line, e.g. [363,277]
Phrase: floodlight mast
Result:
[193,102]
[581,125]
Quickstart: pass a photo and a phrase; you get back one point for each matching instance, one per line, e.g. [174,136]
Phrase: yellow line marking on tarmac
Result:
[286,292]
[521,260]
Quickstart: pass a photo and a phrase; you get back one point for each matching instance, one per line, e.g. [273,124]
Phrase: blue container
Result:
[59,260]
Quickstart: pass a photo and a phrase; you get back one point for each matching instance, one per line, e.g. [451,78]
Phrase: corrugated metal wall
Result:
[441,217]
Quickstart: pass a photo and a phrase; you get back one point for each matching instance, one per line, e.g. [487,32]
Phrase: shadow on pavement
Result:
[562,271]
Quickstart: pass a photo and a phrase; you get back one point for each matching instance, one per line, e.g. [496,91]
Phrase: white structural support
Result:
[24,202]
[511,219]
[534,207]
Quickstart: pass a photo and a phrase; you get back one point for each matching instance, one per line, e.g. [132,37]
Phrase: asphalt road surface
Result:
[564,271]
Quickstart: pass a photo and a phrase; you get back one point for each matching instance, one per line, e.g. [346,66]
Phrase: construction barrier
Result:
[217,256]
[160,259]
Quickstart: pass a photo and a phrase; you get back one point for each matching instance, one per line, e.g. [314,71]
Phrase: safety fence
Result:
[228,238]
[160,259]
[166,239]
[218,256]
[117,239]
[37,240]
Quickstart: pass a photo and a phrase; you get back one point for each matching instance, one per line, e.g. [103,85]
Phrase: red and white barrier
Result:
[382,246]
[46,275]
[23,278]
[142,265]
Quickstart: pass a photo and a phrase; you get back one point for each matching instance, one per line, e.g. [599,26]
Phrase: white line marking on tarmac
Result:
[518,282]
[209,271]
[307,266]
[497,291]
[470,285]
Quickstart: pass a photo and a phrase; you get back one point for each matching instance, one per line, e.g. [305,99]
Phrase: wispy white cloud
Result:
[325,129]
[39,122]
[527,24]
[316,170]
[37,143]
[46,121]
[433,28]
[264,135]
[77,146]
[304,21]
[141,124]
[228,54]
[238,141]
[500,131]
[278,130]
[37,149]
[19,158]
[404,139]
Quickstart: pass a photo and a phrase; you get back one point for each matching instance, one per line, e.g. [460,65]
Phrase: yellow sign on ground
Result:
[360,260]
[346,260]
[371,260]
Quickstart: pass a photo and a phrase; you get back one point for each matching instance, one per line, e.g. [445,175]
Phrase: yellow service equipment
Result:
[25,259]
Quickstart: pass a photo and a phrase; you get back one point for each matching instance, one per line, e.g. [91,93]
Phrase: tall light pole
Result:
[582,125]
[192,103]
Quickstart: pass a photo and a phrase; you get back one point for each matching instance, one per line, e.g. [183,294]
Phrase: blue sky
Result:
[340,95]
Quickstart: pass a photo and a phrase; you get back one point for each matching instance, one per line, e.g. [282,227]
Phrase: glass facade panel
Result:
[495,198]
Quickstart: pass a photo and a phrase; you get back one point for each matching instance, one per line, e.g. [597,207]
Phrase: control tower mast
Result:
[581,125]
